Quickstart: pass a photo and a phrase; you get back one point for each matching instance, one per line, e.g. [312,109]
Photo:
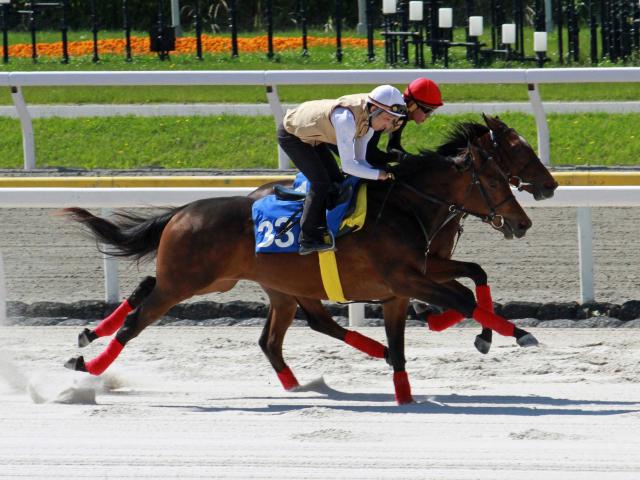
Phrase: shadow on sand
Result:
[437,404]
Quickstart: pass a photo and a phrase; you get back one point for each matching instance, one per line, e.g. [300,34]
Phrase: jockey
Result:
[349,122]
[422,97]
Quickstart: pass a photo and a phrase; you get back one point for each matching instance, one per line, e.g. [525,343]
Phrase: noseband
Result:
[454,209]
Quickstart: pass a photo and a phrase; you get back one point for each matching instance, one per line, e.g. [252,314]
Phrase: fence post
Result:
[585,251]
[278,115]
[356,314]
[28,142]
[111,282]
[175,17]
[541,123]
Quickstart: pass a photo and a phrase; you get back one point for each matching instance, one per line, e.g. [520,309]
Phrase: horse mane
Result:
[459,137]
[427,160]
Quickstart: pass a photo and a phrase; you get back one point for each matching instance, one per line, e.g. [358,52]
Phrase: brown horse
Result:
[208,245]
[525,171]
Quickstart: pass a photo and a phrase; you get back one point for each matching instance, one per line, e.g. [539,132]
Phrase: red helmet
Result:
[425,92]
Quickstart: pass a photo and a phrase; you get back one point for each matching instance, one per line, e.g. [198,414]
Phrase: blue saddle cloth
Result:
[270,214]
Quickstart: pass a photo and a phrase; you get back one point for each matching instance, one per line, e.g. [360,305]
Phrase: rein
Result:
[455,210]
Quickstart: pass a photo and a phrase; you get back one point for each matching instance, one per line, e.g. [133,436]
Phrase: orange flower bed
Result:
[184,45]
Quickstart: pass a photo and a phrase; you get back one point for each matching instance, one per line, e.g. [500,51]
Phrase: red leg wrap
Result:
[287,378]
[403,389]
[494,322]
[106,358]
[364,344]
[483,294]
[444,320]
[113,322]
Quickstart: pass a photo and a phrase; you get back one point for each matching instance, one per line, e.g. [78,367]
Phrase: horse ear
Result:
[489,120]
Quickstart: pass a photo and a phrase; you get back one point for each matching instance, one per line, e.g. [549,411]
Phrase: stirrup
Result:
[318,245]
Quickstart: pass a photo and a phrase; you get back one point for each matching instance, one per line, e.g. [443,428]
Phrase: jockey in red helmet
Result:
[422,97]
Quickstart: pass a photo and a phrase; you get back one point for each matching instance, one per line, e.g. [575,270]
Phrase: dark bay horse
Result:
[525,171]
[208,246]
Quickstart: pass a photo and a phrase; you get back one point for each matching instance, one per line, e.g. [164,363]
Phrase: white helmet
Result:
[389,99]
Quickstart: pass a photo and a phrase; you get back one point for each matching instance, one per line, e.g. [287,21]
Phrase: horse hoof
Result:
[423,309]
[86,337]
[386,357]
[527,340]
[482,345]
[76,363]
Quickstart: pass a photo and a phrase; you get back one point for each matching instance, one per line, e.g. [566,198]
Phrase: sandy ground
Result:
[47,258]
[196,402]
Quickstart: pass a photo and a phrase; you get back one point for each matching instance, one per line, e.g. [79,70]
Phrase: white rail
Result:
[270,79]
[106,198]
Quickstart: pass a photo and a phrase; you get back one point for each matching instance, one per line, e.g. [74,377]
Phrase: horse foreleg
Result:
[320,321]
[395,316]
[443,270]
[456,296]
[282,310]
[113,322]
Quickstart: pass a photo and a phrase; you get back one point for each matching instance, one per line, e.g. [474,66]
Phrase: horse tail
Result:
[129,234]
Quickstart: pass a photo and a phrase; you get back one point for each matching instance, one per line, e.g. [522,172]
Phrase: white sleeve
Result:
[352,150]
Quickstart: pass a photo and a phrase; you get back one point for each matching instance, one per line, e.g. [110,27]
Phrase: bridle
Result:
[453,210]
[514,179]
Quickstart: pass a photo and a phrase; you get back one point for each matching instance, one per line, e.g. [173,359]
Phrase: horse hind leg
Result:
[282,310]
[320,321]
[152,307]
[114,321]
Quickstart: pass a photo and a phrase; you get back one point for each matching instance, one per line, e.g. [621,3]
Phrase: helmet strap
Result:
[372,115]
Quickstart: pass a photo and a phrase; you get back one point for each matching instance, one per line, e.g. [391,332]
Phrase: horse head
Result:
[518,160]
[512,152]
[484,191]
[476,186]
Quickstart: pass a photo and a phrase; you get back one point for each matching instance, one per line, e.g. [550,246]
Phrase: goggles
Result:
[426,109]
[397,109]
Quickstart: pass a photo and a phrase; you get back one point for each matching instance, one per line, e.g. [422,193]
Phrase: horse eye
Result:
[493,184]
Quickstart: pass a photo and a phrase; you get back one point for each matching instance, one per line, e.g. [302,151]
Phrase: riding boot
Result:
[314,234]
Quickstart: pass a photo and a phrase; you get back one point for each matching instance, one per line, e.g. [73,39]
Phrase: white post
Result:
[585,250]
[175,17]
[544,149]
[278,115]
[3,295]
[111,282]
[548,15]
[361,28]
[356,314]
[28,142]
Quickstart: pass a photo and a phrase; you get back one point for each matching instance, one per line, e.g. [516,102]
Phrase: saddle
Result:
[276,217]
[338,194]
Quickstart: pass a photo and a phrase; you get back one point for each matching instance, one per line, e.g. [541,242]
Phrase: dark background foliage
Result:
[250,13]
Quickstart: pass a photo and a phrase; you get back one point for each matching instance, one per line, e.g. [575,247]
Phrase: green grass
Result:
[320,58]
[240,142]
[244,142]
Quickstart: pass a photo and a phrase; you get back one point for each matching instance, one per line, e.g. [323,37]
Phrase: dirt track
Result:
[49,259]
